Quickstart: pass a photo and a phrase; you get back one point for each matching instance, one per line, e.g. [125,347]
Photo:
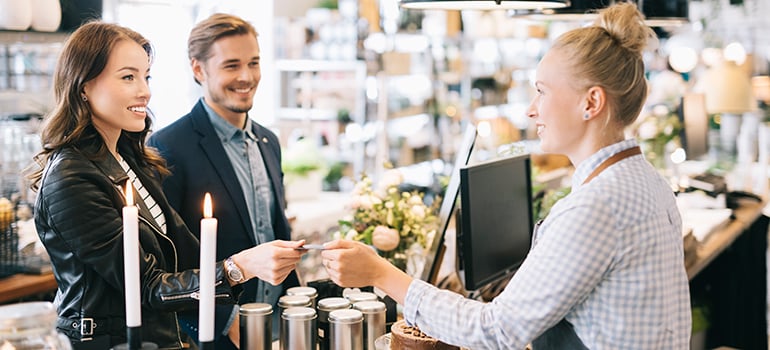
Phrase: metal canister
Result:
[346,329]
[307,291]
[374,321]
[288,301]
[361,296]
[298,326]
[256,326]
[325,306]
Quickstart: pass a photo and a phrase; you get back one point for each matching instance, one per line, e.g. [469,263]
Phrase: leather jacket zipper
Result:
[156,230]
[192,295]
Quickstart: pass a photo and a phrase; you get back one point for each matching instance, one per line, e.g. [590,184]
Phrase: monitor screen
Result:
[695,125]
[495,219]
[435,249]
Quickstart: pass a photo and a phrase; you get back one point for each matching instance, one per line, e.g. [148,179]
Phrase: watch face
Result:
[235,274]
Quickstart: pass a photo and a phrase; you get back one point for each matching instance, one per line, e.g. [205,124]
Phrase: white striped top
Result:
[153,206]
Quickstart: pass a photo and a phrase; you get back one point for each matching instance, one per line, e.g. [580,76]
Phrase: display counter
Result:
[728,278]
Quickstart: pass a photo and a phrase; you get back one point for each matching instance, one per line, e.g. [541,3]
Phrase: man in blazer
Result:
[216,148]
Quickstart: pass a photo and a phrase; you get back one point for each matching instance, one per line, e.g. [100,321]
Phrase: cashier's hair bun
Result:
[625,24]
[608,54]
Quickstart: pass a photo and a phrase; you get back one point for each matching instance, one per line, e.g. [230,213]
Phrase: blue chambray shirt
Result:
[608,258]
[257,191]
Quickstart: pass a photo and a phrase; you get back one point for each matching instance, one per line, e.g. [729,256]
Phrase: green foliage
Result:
[301,158]
[328,4]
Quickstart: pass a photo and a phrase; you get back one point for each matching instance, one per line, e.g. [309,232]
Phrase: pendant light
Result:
[657,13]
[665,13]
[578,10]
[482,4]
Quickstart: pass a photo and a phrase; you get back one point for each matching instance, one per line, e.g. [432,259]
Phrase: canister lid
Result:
[369,306]
[256,309]
[309,291]
[293,300]
[333,303]
[361,296]
[298,313]
[346,316]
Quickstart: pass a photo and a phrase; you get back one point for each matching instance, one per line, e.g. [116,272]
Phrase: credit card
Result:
[312,246]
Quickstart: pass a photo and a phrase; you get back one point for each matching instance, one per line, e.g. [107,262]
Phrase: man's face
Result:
[230,75]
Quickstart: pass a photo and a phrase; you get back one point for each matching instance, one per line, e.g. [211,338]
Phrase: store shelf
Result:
[31,37]
[312,93]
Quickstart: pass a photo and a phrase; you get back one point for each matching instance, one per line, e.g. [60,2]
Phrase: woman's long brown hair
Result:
[83,57]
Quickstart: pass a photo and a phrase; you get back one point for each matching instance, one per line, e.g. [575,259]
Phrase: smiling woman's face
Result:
[557,109]
[118,96]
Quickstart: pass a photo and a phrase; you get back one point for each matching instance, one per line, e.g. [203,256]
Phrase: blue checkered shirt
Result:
[608,259]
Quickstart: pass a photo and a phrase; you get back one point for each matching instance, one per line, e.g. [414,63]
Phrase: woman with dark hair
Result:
[93,144]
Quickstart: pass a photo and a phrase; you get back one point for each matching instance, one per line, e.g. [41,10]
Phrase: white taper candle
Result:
[207,272]
[131,260]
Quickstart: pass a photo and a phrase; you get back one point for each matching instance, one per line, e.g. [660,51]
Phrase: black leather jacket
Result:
[79,219]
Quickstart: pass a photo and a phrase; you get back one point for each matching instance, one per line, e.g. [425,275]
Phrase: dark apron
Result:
[560,336]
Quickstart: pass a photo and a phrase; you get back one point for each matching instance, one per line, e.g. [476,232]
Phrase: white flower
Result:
[648,129]
[660,110]
[351,234]
[355,202]
[385,238]
[418,211]
[360,188]
[414,200]
[391,178]
[365,202]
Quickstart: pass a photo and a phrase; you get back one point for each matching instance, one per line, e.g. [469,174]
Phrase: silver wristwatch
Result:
[234,273]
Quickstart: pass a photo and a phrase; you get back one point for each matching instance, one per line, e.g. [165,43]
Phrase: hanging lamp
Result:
[657,13]
[482,4]
[665,13]
[578,10]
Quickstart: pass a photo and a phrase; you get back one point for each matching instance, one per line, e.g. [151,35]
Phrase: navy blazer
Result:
[199,164]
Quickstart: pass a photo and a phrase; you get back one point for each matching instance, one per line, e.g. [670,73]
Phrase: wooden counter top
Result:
[23,285]
[720,239]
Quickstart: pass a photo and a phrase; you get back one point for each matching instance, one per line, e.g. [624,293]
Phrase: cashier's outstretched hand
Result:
[271,262]
[354,264]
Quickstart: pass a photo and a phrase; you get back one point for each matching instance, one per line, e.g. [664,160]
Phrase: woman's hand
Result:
[354,264]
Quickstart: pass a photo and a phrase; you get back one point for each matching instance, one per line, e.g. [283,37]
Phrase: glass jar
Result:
[31,326]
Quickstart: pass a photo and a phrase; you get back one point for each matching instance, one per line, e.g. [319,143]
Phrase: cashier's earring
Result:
[585,116]
[85,98]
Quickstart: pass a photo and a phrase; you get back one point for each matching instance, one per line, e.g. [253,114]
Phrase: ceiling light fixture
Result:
[665,13]
[483,4]
[657,13]
[578,10]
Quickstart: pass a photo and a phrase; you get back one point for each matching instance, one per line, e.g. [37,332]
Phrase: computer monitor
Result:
[435,251]
[495,219]
[695,125]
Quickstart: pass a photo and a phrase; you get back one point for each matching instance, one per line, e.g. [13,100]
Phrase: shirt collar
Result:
[587,166]
[226,131]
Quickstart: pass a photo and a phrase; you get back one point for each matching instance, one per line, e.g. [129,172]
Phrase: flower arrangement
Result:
[392,221]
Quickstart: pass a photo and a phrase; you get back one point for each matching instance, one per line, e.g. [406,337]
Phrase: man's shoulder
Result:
[183,125]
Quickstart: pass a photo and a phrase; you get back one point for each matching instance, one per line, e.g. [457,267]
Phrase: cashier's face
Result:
[118,96]
[230,75]
[556,108]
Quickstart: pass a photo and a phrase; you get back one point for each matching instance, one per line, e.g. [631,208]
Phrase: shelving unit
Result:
[312,94]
